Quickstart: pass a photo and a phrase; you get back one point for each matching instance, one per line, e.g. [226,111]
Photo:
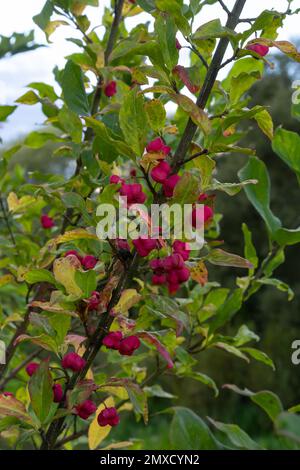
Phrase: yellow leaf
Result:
[76,234]
[119,392]
[126,407]
[128,299]
[118,445]
[19,205]
[11,318]
[96,433]
[6,279]
[199,273]
[64,270]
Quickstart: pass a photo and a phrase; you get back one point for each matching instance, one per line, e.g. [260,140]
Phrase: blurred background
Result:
[267,313]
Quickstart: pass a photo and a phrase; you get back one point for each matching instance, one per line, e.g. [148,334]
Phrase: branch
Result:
[5,216]
[210,79]
[224,7]
[17,369]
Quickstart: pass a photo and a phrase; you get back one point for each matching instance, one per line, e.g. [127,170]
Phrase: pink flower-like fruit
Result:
[108,417]
[46,221]
[73,362]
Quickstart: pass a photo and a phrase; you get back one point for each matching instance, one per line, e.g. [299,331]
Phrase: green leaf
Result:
[112,141]
[43,18]
[11,407]
[231,350]
[133,120]
[280,285]
[229,188]
[165,30]
[87,281]
[259,195]
[174,9]
[6,111]
[222,258]
[40,391]
[45,90]
[73,89]
[187,189]
[286,145]
[156,114]
[213,29]
[242,83]
[204,379]
[71,124]
[36,140]
[206,165]
[250,251]
[39,275]
[226,311]
[197,115]
[236,435]
[259,356]
[288,425]
[189,432]
[265,123]
[265,399]
[244,335]
[29,98]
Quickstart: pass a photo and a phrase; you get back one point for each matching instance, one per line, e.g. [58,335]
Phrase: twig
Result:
[18,368]
[198,54]
[224,7]
[5,216]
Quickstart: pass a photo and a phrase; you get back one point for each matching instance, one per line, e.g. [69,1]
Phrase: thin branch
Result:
[15,371]
[192,157]
[198,54]
[225,8]
[228,61]
[6,219]
[70,438]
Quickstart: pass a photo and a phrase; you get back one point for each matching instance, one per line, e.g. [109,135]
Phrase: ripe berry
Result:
[161,172]
[94,300]
[86,409]
[58,393]
[31,368]
[74,253]
[144,246]
[133,192]
[89,262]
[158,145]
[46,221]
[110,89]
[108,417]
[169,185]
[260,49]
[113,339]
[129,345]
[73,361]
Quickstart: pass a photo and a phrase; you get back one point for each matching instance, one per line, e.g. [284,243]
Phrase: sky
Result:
[18,71]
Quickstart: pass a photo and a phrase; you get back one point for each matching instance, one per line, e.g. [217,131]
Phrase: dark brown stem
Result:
[210,79]
[5,216]
[92,349]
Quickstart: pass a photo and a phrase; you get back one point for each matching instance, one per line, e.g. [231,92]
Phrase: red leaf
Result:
[151,339]
[182,73]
